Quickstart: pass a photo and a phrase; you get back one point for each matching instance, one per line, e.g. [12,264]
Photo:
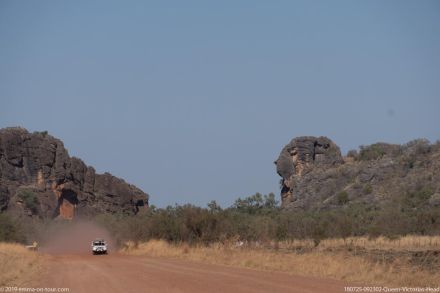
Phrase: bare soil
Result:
[123,273]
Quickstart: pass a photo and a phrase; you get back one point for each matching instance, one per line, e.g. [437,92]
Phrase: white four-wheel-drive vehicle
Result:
[99,246]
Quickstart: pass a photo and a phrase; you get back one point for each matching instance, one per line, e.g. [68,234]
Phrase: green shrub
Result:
[417,198]
[342,197]
[367,189]
[256,203]
[10,231]
[372,152]
[30,200]
[255,218]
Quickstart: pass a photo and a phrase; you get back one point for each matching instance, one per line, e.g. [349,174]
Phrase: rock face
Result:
[298,158]
[39,178]
[316,176]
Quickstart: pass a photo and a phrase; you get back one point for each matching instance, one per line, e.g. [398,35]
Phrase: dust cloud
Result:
[74,238]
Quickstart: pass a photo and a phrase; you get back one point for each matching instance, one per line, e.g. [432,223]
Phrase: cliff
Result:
[39,178]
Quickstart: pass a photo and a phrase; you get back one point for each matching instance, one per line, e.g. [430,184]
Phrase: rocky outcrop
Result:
[316,176]
[298,158]
[39,178]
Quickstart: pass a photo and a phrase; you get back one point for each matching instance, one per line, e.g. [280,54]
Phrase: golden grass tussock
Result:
[318,263]
[19,266]
[405,243]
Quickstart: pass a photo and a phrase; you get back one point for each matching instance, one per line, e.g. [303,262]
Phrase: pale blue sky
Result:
[193,100]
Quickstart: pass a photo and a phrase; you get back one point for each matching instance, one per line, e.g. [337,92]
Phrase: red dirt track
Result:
[121,273]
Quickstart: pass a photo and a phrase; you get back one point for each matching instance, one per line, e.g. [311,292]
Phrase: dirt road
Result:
[120,273]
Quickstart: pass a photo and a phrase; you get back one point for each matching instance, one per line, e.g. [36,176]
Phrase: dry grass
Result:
[405,243]
[19,266]
[318,263]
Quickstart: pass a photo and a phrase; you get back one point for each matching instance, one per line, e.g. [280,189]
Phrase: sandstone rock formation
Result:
[301,156]
[39,178]
[316,176]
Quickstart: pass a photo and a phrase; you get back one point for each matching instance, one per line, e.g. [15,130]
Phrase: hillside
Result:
[38,178]
[316,177]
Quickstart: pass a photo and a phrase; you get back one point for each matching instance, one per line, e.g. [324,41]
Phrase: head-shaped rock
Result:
[301,155]
[305,152]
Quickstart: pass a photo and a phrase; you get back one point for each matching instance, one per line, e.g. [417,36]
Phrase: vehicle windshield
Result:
[98,243]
